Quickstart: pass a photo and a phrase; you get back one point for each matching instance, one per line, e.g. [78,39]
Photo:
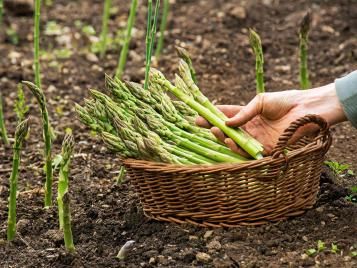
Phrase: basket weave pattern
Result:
[227,195]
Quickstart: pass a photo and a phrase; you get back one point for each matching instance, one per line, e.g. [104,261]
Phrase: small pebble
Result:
[192,237]
[92,57]
[208,234]
[202,257]
[214,245]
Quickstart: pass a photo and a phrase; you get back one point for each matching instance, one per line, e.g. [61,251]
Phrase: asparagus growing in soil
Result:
[21,108]
[185,56]
[121,175]
[38,94]
[20,134]
[67,229]
[244,141]
[303,46]
[150,38]
[256,45]
[2,124]
[67,149]
[125,48]
[36,40]
[104,33]
[1,11]
[160,42]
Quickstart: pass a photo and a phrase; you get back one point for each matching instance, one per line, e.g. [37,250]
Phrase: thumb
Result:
[248,112]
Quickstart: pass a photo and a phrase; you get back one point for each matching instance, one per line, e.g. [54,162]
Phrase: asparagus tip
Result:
[182,53]
[22,130]
[305,25]
[36,91]
[254,39]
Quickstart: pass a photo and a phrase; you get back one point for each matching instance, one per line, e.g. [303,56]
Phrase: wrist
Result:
[324,102]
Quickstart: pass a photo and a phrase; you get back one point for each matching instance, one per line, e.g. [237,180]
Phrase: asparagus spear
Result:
[304,37]
[38,93]
[121,175]
[1,11]
[2,124]
[21,108]
[124,51]
[163,23]
[104,33]
[185,56]
[67,149]
[20,134]
[256,45]
[36,40]
[150,37]
[67,229]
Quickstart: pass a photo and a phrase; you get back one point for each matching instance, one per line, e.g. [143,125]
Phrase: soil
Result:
[106,215]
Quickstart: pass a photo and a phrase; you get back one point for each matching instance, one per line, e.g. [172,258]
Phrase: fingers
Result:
[235,148]
[201,122]
[218,134]
[230,110]
[229,142]
[248,112]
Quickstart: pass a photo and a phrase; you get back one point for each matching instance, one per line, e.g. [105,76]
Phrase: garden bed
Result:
[105,215]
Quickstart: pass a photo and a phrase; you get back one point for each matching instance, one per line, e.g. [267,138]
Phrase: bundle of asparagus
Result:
[149,125]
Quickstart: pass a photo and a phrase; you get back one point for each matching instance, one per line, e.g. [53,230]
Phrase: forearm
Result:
[324,102]
[346,88]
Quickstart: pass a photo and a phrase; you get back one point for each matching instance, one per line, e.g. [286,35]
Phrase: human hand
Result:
[269,114]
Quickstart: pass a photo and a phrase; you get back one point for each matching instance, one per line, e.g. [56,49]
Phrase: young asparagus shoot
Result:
[21,108]
[104,32]
[303,46]
[20,134]
[185,56]
[1,11]
[2,124]
[121,175]
[40,97]
[67,149]
[163,25]
[150,38]
[67,228]
[36,40]
[256,45]
[125,48]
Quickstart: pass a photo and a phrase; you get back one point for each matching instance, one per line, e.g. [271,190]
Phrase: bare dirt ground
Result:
[105,215]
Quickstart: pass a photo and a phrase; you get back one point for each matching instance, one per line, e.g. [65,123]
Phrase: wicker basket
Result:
[227,195]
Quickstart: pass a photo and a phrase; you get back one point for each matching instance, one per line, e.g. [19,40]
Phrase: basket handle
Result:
[294,126]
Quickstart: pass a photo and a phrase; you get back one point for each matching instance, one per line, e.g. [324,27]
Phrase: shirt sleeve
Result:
[346,88]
